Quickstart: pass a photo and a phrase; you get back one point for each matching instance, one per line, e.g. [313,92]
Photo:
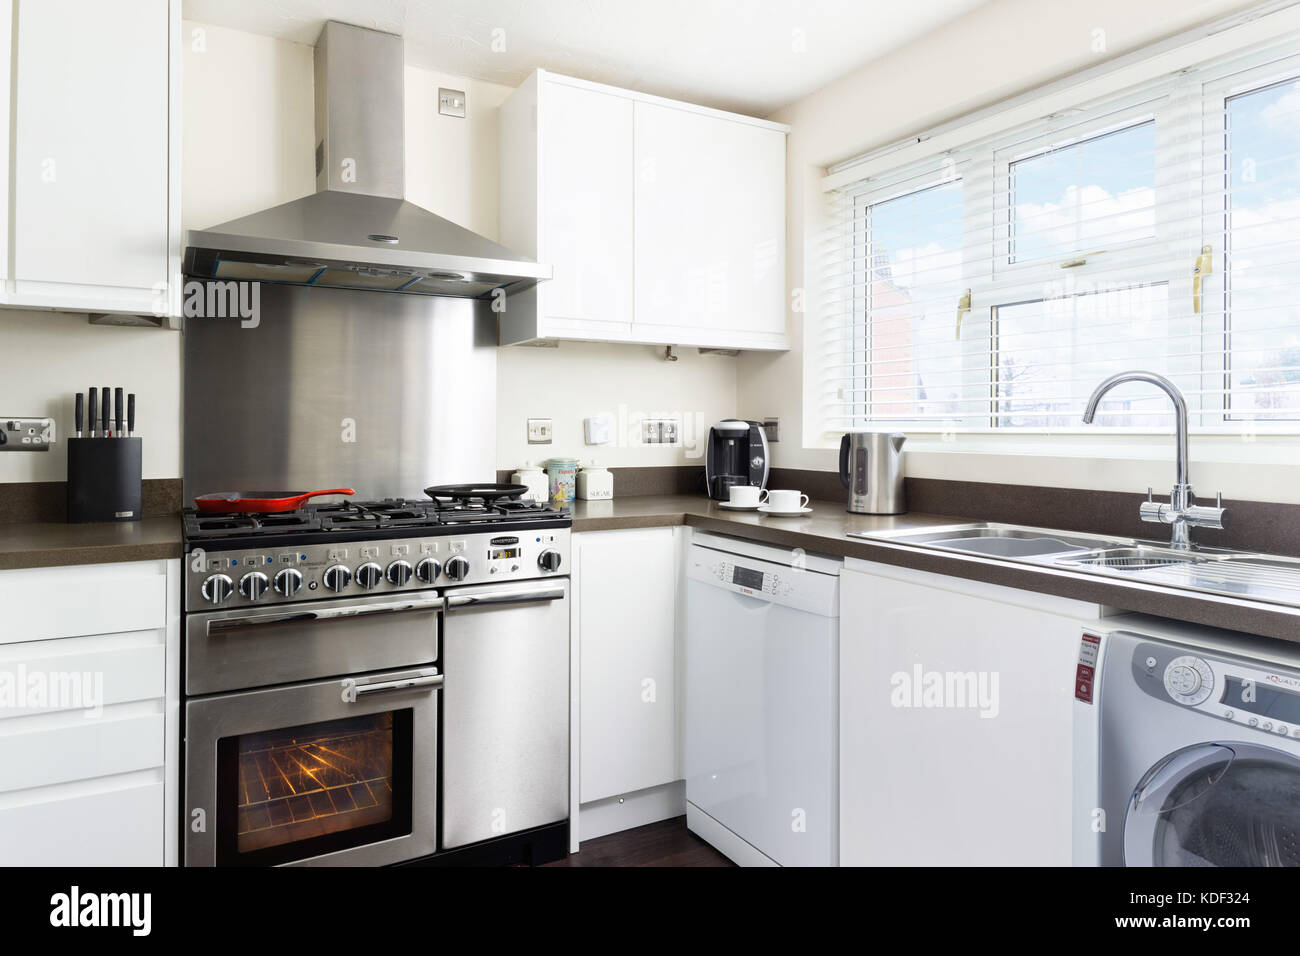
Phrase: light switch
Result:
[539,431]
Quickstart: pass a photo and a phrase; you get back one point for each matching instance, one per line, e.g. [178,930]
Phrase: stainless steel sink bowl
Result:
[996,540]
[1134,559]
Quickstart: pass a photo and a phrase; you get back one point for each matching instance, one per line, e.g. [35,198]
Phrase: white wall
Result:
[46,357]
[999,50]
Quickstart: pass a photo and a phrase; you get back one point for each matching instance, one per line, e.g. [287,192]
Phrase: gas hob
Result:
[356,548]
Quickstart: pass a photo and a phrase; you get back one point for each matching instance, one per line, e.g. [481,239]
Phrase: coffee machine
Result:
[737,454]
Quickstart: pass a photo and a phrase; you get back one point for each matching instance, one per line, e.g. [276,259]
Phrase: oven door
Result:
[255,647]
[333,772]
[505,709]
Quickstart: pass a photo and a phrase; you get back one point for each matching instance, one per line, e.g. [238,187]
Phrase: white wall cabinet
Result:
[91,768]
[935,779]
[626,622]
[664,222]
[710,242]
[93,204]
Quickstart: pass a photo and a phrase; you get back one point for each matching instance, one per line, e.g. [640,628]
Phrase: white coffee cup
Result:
[747,496]
[787,500]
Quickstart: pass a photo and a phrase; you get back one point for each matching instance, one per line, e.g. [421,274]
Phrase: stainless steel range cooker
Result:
[375,682]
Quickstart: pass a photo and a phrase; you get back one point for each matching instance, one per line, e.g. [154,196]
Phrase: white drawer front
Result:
[81,673]
[45,603]
[80,747]
[113,828]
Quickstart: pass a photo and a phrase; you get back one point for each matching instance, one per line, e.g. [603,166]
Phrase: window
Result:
[992,287]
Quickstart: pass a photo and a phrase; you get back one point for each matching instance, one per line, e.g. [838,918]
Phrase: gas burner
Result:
[199,525]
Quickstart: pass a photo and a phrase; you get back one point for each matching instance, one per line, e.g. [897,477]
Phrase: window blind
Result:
[992,288]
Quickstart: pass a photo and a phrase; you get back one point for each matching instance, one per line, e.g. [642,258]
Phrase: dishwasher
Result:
[761,703]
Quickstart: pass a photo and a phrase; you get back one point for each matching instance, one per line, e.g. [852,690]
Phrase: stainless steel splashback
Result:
[337,388]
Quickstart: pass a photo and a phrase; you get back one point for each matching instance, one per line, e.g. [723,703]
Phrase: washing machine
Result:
[1187,747]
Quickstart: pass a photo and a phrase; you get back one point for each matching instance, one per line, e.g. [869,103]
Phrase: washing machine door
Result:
[1216,804]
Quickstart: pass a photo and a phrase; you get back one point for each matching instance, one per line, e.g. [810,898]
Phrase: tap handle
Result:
[1218,500]
[1149,494]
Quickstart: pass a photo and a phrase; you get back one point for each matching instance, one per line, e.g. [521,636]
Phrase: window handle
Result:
[963,306]
[1204,266]
[1081,260]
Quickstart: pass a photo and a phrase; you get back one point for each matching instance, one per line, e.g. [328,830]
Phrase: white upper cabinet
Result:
[710,229]
[664,222]
[92,203]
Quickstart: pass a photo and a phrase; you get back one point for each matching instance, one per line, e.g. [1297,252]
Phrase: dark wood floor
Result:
[667,843]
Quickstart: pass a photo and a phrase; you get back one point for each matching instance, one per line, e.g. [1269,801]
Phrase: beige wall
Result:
[1004,48]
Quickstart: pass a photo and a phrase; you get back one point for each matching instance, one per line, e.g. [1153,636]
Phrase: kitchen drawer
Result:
[121,668]
[45,603]
[115,826]
[49,749]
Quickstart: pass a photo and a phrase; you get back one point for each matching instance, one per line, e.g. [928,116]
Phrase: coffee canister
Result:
[562,475]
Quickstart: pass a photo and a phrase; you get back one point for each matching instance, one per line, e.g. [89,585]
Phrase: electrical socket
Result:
[539,431]
[26,434]
[649,432]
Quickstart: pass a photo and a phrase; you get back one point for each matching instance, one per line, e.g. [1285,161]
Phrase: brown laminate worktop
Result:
[51,544]
[825,531]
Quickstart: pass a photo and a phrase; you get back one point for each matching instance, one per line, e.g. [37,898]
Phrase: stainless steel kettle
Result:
[871,468]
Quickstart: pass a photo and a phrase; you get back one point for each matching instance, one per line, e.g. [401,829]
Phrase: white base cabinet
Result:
[89,715]
[627,744]
[955,720]
[664,222]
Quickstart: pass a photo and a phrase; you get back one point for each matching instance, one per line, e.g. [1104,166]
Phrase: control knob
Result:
[457,569]
[428,570]
[369,575]
[253,585]
[337,577]
[398,573]
[549,560]
[288,582]
[217,588]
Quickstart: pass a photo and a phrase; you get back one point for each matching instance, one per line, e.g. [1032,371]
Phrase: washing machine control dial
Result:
[1189,680]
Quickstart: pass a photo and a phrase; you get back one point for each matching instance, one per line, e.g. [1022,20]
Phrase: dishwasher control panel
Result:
[791,585]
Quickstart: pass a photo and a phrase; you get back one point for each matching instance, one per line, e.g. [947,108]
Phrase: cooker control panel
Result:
[222,579]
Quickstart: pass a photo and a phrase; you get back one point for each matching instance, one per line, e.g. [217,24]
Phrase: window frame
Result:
[996,281]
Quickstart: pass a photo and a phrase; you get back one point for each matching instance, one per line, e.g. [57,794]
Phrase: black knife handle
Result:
[104,410]
[81,412]
[130,414]
[117,412]
[94,418]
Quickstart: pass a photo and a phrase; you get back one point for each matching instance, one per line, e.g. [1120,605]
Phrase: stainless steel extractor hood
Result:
[357,231]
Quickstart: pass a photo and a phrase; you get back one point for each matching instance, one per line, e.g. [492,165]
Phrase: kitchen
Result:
[842,342]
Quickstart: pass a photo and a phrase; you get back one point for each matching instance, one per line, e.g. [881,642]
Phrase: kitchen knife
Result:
[104,410]
[117,412]
[94,419]
[81,411]
[130,415]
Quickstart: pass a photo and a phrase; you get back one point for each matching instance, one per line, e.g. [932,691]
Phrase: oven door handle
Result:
[404,683]
[552,593]
[324,614]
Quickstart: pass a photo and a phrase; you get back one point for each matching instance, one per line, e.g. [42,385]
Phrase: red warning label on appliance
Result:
[1086,671]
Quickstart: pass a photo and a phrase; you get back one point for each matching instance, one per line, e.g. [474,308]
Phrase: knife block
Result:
[104,479]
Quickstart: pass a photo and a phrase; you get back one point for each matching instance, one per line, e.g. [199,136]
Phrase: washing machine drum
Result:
[1220,804]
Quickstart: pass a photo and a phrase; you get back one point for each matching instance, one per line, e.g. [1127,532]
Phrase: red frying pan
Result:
[259,502]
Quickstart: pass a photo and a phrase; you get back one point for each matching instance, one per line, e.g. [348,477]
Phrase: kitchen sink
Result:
[996,540]
[1241,574]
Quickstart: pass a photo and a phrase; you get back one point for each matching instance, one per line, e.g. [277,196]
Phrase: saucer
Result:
[769,510]
[730,507]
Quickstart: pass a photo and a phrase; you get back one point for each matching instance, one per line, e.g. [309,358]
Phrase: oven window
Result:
[297,792]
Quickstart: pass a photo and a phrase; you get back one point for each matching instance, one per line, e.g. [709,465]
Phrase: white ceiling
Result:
[752,56]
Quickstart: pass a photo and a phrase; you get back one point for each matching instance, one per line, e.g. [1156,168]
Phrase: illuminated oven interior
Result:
[297,791]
